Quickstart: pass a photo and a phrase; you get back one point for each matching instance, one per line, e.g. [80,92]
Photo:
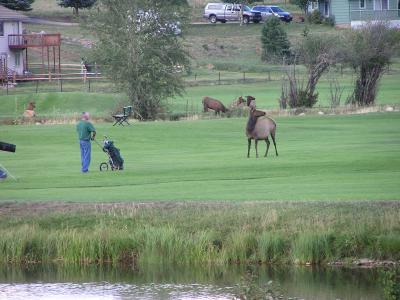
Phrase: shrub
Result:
[330,21]
[275,44]
[315,17]
[391,283]
[369,52]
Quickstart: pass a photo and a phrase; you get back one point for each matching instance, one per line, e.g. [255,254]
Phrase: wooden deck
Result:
[23,41]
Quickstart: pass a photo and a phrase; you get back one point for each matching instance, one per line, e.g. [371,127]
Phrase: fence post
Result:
[269,75]
[219,77]
[61,87]
[89,85]
[244,76]
[195,76]
[37,86]
[187,107]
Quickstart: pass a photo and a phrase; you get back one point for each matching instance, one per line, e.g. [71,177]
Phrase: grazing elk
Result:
[260,129]
[214,104]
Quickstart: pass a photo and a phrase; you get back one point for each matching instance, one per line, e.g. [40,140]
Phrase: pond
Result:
[173,282]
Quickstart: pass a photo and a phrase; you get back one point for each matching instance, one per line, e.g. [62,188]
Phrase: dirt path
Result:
[36,20]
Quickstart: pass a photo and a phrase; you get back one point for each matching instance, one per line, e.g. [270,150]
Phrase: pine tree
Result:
[274,41]
[24,5]
[77,4]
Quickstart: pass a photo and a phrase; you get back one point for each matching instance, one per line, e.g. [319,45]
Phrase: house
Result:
[11,60]
[354,13]
[14,46]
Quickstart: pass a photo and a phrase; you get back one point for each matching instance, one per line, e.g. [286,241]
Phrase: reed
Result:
[312,248]
[201,233]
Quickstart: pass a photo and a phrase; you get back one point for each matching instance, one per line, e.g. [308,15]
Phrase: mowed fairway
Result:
[320,158]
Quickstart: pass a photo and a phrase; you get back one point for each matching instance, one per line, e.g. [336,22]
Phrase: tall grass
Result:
[191,233]
[312,248]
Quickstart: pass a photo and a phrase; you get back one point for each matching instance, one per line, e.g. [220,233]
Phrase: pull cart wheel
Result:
[104,166]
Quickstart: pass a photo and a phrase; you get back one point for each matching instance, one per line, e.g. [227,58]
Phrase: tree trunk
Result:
[76,11]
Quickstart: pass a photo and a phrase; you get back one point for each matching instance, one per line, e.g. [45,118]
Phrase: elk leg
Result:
[273,139]
[267,141]
[256,143]
[248,148]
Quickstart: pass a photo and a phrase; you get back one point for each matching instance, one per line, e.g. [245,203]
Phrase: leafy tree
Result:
[274,41]
[317,53]
[303,4]
[369,53]
[77,4]
[140,49]
[24,5]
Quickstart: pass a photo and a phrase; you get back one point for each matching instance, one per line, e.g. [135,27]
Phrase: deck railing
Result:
[22,41]
[374,15]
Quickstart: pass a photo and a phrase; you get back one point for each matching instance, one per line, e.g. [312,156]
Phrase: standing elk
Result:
[260,129]
[214,104]
[249,100]
[238,103]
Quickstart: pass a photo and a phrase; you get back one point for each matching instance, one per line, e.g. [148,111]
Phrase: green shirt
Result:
[85,129]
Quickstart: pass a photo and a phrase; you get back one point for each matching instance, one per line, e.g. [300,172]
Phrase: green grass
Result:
[57,105]
[321,158]
[199,233]
[106,97]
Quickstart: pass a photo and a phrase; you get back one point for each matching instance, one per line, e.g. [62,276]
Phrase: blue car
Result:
[273,11]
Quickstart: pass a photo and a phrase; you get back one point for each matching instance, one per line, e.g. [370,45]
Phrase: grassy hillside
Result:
[321,158]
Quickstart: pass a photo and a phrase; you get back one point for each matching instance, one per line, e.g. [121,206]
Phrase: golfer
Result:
[86,132]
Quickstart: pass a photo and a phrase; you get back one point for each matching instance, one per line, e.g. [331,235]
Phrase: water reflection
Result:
[172,282]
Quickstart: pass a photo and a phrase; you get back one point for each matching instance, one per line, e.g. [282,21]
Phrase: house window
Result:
[362,4]
[1,29]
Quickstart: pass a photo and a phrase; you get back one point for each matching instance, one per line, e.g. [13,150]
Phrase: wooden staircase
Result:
[6,74]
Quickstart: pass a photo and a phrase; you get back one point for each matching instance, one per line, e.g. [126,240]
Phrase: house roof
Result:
[11,15]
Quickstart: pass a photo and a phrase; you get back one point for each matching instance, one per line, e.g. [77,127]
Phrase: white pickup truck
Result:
[224,12]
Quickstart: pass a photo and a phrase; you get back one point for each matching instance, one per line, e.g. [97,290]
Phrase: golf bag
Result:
[116,160]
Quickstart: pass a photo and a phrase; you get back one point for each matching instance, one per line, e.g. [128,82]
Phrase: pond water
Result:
[172,282]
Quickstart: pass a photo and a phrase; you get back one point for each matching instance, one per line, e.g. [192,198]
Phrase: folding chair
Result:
[120,119]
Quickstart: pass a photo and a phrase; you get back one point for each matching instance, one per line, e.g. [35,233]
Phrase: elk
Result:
[214,104]
[249,99]
[238,103]
[260,127]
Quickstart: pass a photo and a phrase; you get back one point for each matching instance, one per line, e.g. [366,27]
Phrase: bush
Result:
[274,41]
[306,100]
[390,281]
[369,52]
[315,17]
[330,21]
